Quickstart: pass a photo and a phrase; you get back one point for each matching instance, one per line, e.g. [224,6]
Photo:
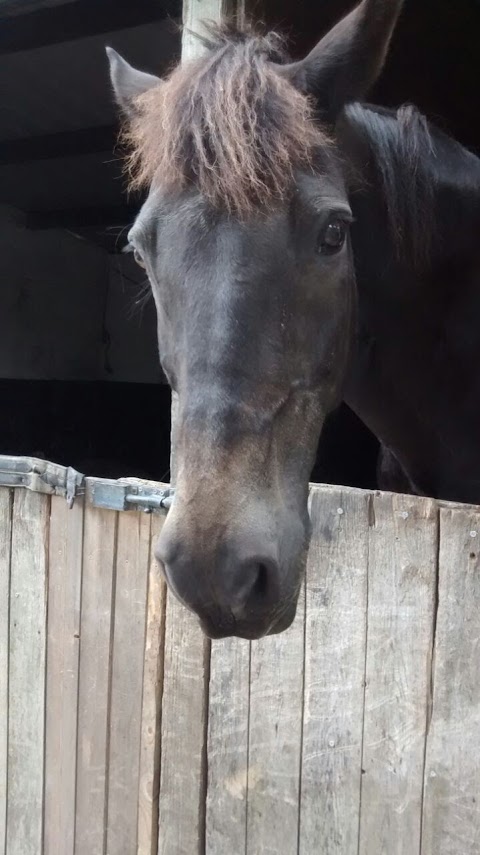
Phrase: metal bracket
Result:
[41,477]
[128,495]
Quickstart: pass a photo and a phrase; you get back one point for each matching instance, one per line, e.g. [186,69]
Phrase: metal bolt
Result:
[473,534]
[340,511]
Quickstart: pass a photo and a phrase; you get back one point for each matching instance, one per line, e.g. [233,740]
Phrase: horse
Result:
[303,248]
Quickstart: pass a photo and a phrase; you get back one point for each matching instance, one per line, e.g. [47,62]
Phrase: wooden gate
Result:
[123,731]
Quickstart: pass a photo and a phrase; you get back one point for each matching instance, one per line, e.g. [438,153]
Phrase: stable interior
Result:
[80,382]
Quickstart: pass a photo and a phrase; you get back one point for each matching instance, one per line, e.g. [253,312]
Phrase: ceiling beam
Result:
[78,20]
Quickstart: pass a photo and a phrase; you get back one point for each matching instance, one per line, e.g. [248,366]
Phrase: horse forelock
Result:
[227,123]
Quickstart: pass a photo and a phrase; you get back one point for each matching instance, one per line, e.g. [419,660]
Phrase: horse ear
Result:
[348,60]
[127,81]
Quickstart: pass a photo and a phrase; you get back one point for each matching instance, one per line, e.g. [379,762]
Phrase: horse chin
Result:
[285,622]
[250,632]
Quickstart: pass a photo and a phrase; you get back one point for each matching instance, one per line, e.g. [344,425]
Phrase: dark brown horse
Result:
[301,249]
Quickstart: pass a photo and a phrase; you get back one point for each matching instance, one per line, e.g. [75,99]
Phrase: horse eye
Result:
[333,237]
[138,258]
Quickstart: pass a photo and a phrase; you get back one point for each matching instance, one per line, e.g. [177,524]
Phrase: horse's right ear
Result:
[128,82]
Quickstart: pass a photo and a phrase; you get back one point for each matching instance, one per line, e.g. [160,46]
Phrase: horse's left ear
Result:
[128,82]
[347,61]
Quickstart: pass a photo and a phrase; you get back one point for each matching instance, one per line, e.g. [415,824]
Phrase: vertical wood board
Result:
[63,639]
[451,824]
[275,735]
[334,673]
[28,606]
[182,785]
[96,625]
[124,737]
[401,603]
[195,12]
[150,736]
[5,544]
[228,747]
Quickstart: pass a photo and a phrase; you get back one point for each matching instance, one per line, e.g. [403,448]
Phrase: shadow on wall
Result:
[111,430]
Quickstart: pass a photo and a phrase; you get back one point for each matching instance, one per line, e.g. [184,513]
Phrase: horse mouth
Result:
[253,631]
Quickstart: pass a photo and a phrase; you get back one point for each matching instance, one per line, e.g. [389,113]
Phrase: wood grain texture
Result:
[5,544]
[197,11]
[182,784]
[132,569]
[334,673]
[150,731]
[401,603]
[96,626]
[275,732]
[28,608]
[451,823]
[63,639]
[228,747]
[184,749]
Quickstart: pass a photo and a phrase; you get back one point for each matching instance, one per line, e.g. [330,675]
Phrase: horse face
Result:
[245,239]
[254,321]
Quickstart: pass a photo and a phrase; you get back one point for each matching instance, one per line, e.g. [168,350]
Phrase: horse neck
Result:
[414,378]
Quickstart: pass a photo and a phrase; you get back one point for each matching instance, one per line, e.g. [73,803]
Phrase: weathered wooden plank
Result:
[63,633]
[28,608]
[228,747]
[335,643]
[132,569]
[149,778]
[401,602]
[195,12]
[5,544]
[183,768]
[275,734]
[451,824]
[96,626]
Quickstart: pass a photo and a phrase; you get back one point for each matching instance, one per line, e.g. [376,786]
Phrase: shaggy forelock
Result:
[227,123]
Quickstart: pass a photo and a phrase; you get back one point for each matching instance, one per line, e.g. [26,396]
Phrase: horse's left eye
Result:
[333,237]
[138,258]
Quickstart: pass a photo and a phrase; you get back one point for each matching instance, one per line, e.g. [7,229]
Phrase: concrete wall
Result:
[68,310]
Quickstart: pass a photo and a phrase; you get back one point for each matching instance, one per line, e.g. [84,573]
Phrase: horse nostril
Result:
[234,588]
[257,584]
[260,587]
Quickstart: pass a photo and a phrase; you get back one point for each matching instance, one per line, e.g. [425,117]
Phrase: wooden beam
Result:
[197,11]
[80,20]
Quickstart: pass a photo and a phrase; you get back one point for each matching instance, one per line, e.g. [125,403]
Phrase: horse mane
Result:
[403,149]
[227,123]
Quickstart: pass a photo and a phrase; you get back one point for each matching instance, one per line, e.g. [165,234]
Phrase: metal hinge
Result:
[41,477]
[128,495]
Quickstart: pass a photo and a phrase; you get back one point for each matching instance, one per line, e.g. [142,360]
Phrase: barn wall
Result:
[70,310]
[131,325]
[53,287]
